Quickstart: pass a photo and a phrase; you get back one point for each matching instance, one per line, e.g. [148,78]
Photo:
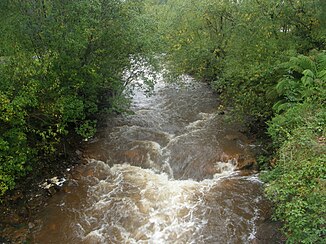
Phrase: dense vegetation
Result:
[61,64]
[62,61]
[267,60]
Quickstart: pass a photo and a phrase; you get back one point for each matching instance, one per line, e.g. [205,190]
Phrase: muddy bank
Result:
[32,193]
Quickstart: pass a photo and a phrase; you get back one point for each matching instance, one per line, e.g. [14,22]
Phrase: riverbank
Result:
[31,194]
[21,206]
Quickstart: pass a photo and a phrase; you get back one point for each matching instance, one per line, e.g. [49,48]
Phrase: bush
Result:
[297,186]
[297,183]
[61,64]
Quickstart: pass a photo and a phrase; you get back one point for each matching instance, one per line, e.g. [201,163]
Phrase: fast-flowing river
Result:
[168,173]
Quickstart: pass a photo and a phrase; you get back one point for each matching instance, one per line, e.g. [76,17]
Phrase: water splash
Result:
[158,176]
[142,205]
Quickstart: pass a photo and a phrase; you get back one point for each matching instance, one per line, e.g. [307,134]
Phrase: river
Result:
[167,173]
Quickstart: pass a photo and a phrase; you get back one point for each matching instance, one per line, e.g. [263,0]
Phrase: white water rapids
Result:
[165,174]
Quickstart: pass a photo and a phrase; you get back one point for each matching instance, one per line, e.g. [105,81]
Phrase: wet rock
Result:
[14,234]
[4,240]
[17,196]
[242,161]
[76,174]
[79,153]
[11,218]
[51,191]
[231,137]
[246,162]
[143,155]
[35,201]
[269,232]
[31,225]
[73,183]
[20,235]
[53,184]
[89,172]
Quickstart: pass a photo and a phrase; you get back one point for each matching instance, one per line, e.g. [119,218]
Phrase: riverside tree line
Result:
[62,64]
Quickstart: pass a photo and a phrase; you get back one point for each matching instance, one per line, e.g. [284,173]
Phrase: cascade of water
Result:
[159,175]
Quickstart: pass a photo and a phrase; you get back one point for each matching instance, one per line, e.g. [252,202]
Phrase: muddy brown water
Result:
[165,174]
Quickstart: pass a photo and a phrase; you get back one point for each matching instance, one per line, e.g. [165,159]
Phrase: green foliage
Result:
[297,186]
[61,64]
[310,87]
[239,46]
[306,115]
[297,183]
[265,59]
[300,97]
[194,36]
[87,129]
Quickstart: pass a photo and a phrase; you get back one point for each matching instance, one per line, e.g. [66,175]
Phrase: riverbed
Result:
[175,170]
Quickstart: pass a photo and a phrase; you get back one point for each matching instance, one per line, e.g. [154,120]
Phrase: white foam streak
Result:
[160,208]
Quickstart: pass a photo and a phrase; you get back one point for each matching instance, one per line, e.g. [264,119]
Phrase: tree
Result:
[62,65]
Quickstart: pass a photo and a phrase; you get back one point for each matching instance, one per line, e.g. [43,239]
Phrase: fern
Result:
[301,63]
[310,87]
[284,85]
[321,61]
[282,105]
[322,75]
[308,78]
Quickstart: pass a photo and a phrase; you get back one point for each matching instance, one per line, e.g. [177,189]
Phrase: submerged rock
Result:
[246,162]
[241,161]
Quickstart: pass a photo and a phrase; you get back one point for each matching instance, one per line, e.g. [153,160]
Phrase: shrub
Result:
[297,183]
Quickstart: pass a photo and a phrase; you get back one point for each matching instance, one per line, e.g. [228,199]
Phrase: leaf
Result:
[308,73]
[284,84]
[308,78]
[321,61]
[322,75]
[301,63]
[282,105]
